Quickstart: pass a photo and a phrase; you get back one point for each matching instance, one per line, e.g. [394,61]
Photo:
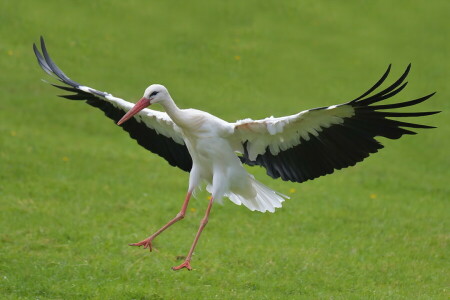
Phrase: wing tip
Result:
[49,66]
[375,86]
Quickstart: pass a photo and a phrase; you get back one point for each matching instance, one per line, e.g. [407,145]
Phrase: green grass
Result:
[75,190]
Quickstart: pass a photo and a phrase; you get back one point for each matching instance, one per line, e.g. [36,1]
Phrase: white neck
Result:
[173,111]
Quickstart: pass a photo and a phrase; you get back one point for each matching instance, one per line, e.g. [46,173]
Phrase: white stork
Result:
[300,147]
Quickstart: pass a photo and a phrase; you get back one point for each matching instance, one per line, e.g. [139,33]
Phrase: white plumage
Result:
[279,134]
[297,148]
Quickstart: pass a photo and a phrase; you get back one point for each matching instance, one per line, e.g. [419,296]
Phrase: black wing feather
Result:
[343,145]
[376,85]
[176,154]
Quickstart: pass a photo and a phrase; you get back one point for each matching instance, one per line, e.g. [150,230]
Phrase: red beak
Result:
[140,105]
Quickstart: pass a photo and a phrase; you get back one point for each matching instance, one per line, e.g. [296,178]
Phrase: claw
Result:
[186,265]
[147,243]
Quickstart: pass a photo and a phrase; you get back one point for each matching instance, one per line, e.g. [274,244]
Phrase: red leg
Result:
[187,262]
[147,243]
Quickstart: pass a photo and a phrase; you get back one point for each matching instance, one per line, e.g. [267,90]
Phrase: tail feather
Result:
[265,199]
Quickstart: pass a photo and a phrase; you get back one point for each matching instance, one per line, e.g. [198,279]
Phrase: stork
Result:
[296,148]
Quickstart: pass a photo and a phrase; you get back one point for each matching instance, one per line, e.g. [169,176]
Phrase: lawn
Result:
[75,189]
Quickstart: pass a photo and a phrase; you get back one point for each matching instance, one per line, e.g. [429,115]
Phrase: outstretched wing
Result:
[315,142]
[152,129]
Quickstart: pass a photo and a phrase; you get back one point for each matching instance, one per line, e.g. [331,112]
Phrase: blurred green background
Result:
[75,189]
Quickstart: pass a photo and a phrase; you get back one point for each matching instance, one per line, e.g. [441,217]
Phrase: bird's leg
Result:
[147,243]
[187,262]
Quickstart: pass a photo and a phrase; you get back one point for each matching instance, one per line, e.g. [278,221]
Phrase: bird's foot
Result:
[186,264]
[147,243]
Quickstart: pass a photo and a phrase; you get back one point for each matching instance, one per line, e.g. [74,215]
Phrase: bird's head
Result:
[155,93]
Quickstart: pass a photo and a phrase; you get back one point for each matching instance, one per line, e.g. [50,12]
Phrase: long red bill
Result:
[140,105]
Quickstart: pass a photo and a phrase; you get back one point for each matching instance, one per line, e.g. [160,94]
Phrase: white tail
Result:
[264,199]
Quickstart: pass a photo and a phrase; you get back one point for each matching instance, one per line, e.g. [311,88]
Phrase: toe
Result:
[186,265]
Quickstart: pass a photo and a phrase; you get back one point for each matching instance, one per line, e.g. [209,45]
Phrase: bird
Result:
[299,147]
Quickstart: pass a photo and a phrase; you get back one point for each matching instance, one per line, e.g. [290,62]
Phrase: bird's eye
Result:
[153,94]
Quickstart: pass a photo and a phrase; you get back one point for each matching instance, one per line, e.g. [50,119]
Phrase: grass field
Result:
[75,189]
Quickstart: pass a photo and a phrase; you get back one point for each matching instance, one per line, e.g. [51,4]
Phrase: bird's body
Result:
[213,146]
[300,147]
